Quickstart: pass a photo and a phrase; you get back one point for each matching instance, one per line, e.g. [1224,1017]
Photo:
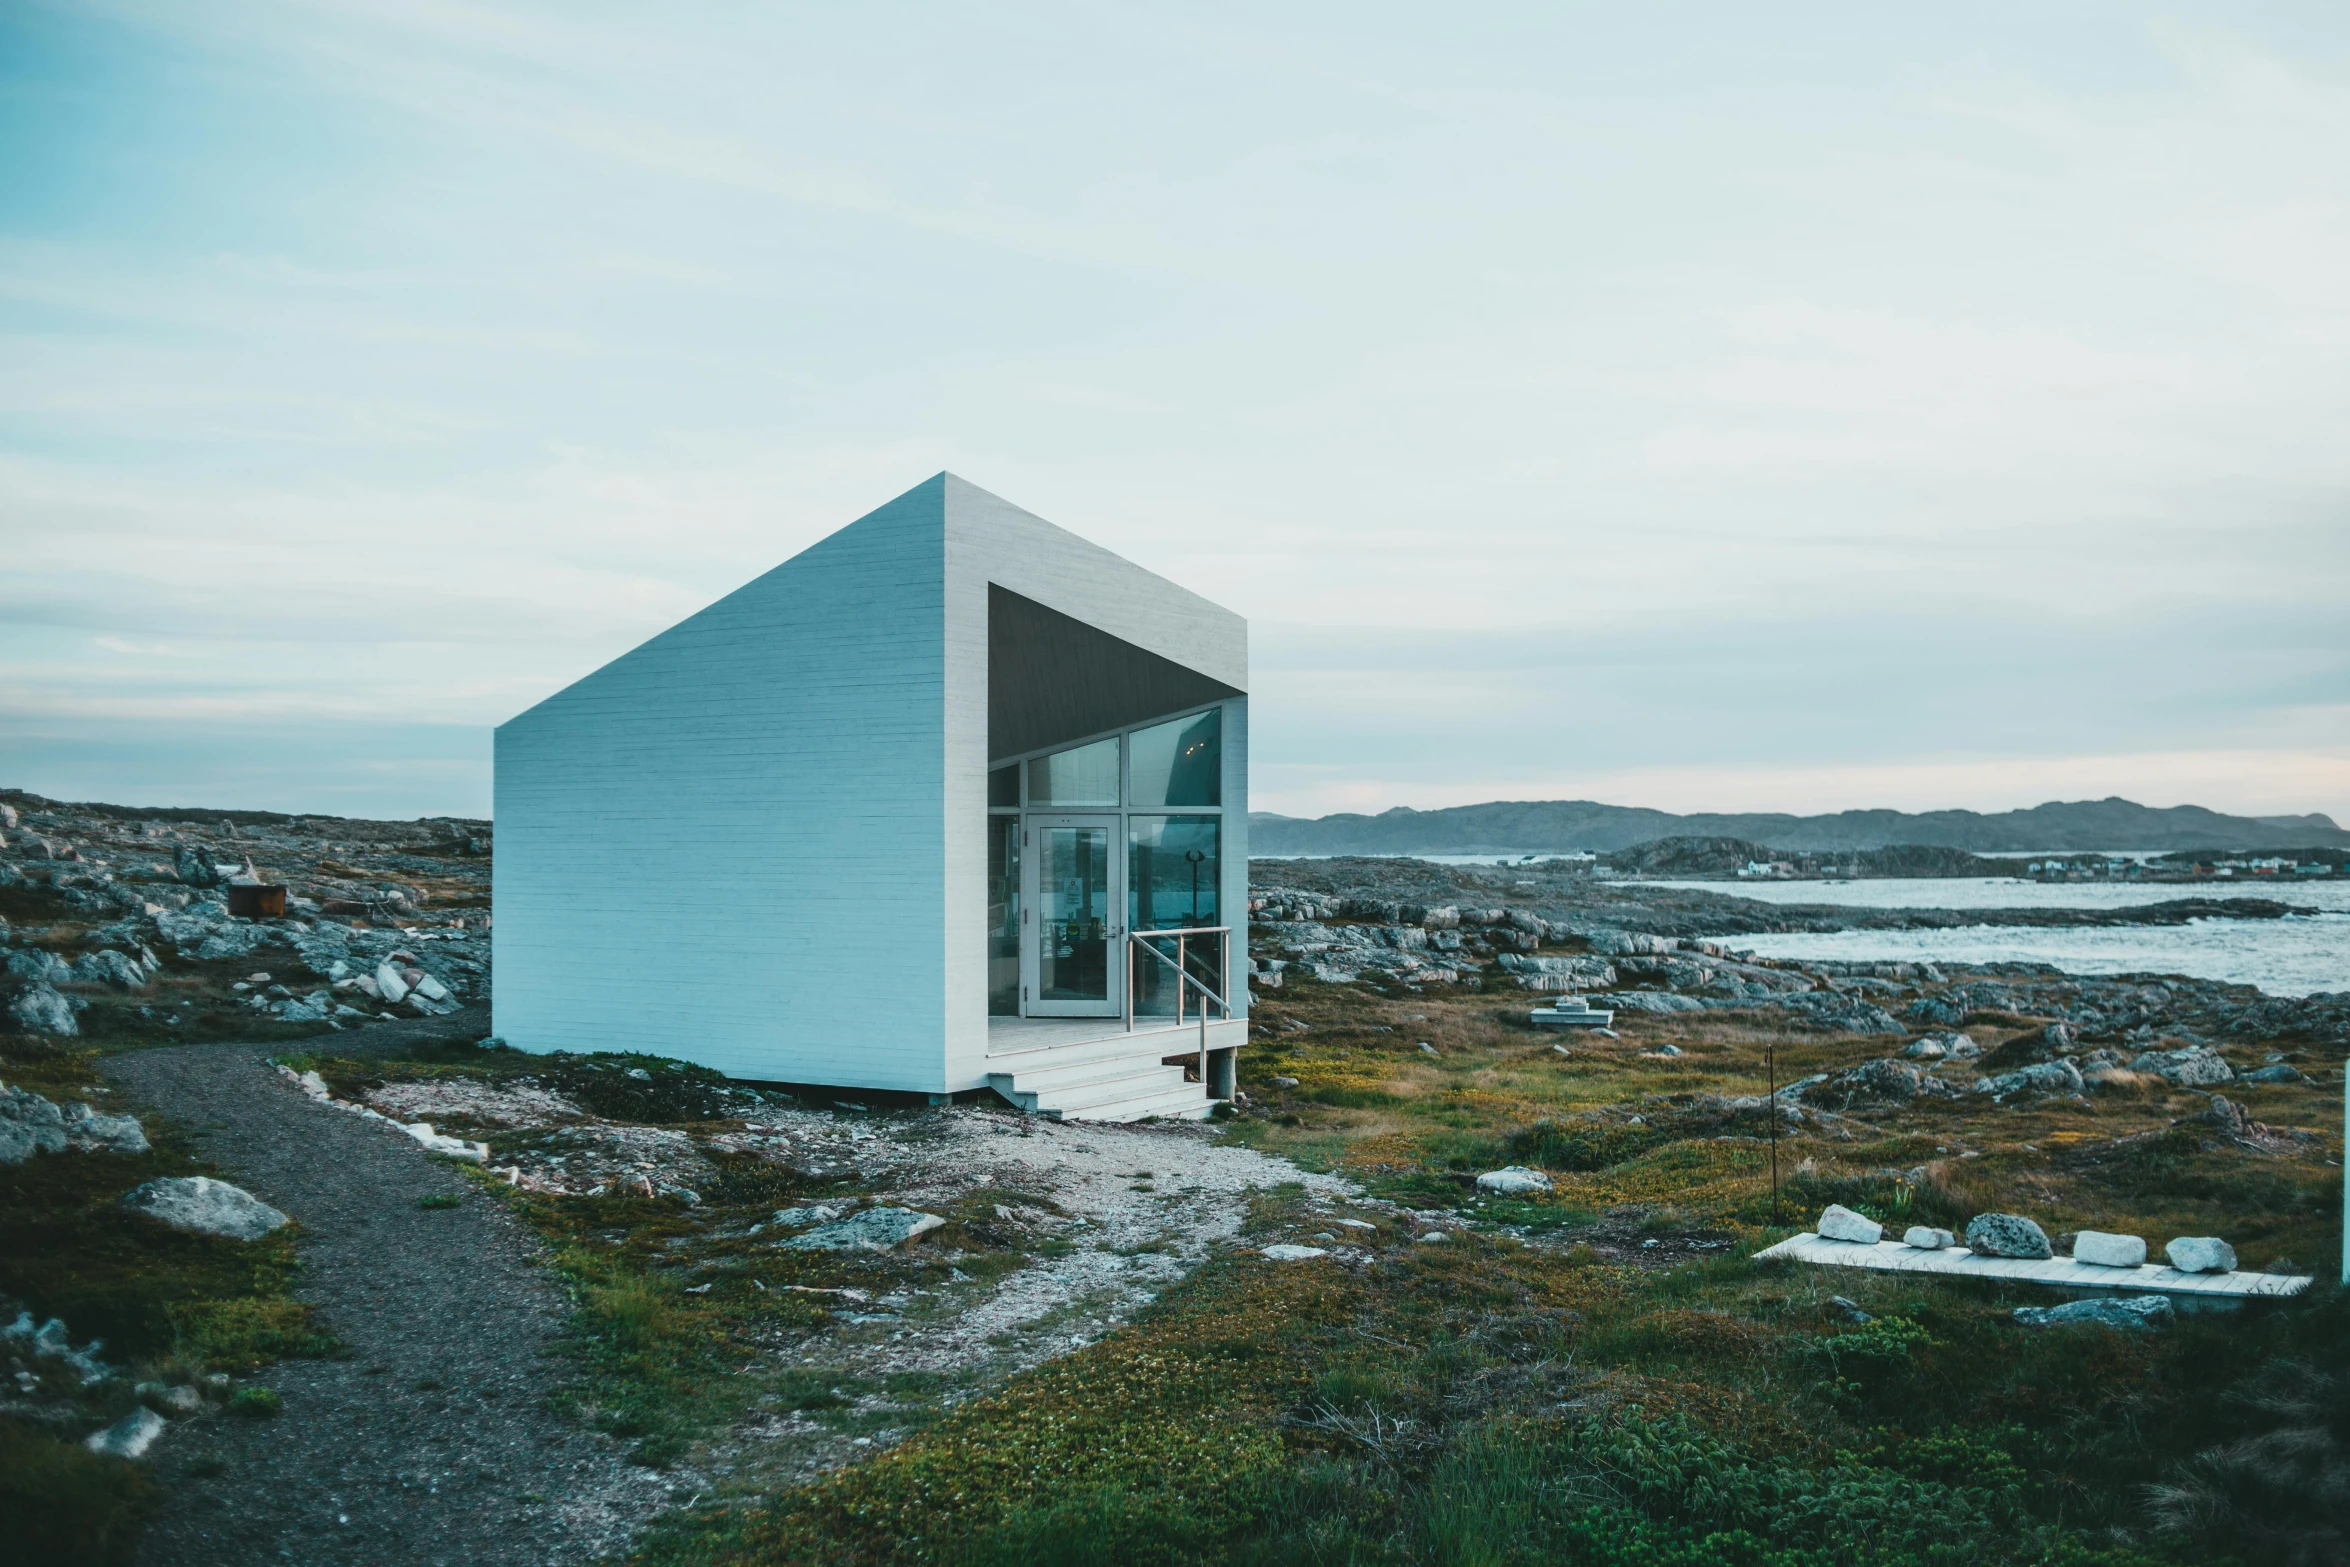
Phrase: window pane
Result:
[1073,913]
[1003,786]
[1181,763]
[1172,866]
[1085,776]
[1003,916]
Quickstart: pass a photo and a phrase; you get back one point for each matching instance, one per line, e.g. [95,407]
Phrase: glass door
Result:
[1073,939]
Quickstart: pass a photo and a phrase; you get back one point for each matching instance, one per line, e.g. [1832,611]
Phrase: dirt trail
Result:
[432,1443]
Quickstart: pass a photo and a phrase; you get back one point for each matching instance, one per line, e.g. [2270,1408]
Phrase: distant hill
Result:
[1720,856]
[1556,826]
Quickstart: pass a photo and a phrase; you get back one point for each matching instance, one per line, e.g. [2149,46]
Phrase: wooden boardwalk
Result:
[2062,1272]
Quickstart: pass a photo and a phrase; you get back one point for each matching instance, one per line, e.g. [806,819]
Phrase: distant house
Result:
[928,807]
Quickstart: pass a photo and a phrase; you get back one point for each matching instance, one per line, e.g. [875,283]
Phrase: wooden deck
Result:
[2061,1272]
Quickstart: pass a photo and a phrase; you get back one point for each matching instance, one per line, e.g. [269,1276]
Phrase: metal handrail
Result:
[1184,976]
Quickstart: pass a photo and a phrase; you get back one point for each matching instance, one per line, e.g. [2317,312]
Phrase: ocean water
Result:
[2294,956]
[2331,893]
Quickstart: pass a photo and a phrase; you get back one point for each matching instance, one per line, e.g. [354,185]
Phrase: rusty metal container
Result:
[257,903]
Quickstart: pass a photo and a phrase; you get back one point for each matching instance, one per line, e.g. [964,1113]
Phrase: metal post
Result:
[1771,1108]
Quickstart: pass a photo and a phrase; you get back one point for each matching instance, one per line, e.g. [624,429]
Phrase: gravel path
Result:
[433,1442]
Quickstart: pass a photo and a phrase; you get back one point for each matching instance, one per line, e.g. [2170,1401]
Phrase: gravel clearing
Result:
[432,1443]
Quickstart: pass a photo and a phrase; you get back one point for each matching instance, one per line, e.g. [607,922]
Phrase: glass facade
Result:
[1087,775]
[1055,945]
[1003,913]
[1073,913]
[1181,763]
[1172,867]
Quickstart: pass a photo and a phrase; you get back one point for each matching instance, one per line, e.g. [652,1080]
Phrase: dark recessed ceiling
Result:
[1052,678]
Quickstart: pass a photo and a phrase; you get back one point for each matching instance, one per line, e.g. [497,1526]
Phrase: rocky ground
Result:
[530,1307]
[1570,896]
[116,922]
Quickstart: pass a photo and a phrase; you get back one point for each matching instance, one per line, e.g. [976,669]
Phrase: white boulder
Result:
[39,1009]
[388,983]
[1514,1181]
[1839,1223]
[2201,1254]
[2101,1250]
[1926,1238]
[1284,1252]
[204,1206]
[129,1437]
[454,1147]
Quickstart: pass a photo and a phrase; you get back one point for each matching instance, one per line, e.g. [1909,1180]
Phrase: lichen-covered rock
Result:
[1942,1011]
[1839,1223]
[1650,1001]
[204,1206]
[109,967]
[2049,1077]
[2007,1235]
[2193,1066]
[2201,1254]
[93,1132]
[1883,1081]
[38,967]
[30,1124]
[1284,1252]
[39,1009]
[2129,1313]
[2281,1072]
[1514,1181]
[876,1229]
[2102,1250]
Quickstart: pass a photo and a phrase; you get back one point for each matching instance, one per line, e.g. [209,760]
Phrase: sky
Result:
[1702,406]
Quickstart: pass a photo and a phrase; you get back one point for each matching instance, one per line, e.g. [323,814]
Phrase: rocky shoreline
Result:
[1639,950]
[1568,894]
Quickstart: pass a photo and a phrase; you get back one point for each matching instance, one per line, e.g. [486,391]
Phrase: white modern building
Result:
[940,804]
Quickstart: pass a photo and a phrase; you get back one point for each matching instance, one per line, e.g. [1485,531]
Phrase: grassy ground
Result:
[1603,1375]
[170,1307]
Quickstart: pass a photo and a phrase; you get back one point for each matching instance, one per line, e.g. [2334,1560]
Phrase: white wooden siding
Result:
[724,846]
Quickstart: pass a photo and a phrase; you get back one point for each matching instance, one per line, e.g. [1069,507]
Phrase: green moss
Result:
[60,1503]
[256,1403]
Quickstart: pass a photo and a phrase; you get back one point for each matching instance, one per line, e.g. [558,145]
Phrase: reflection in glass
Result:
[1181,763]
[1073,913]
[1172,867]
[1087,775]
[1003,916]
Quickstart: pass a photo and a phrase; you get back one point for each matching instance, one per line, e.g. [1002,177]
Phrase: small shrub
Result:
[240,1335]
[1582,1145]
[439,1200]
[256,1403]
